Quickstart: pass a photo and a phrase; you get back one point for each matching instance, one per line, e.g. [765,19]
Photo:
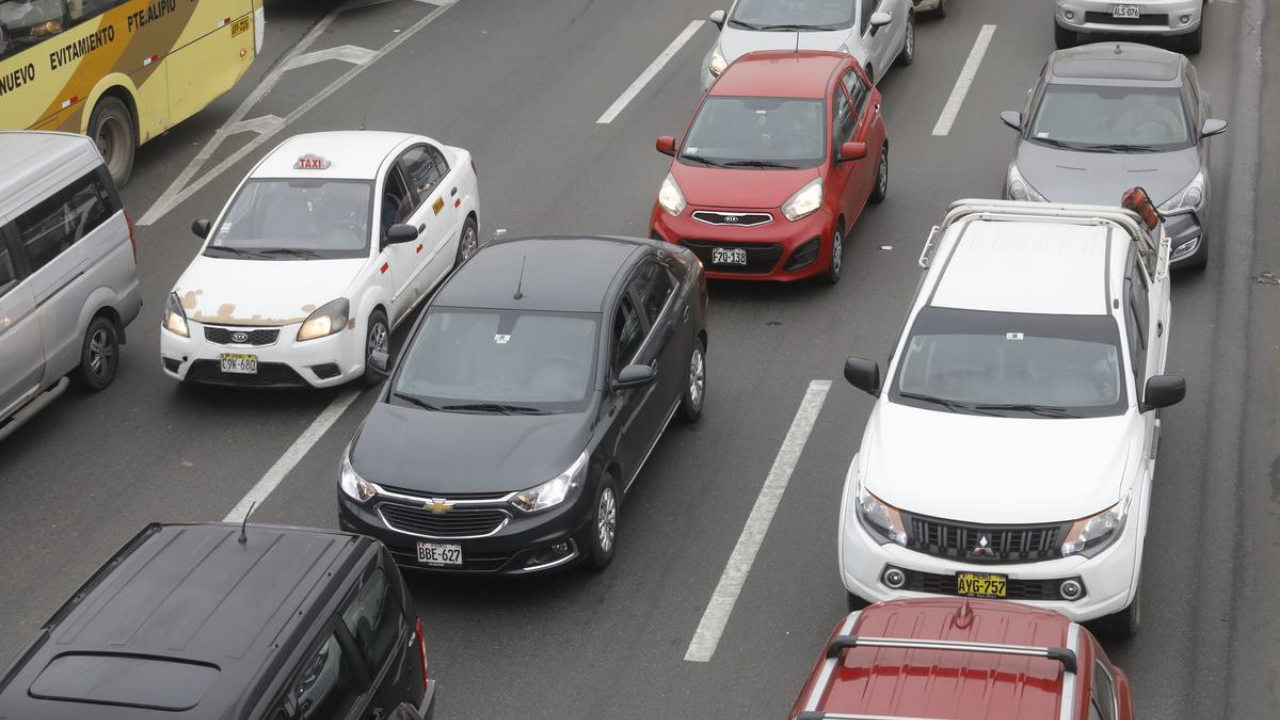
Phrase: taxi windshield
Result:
[1117,119]
[296,219]
[757,132]
[792,15]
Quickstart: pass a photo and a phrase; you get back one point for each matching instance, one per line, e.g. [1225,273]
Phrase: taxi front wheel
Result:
[377,338]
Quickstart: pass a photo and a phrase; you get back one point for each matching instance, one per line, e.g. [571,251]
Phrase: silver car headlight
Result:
[805,202]
[1188,199]
[1017,187]
[325,321]
[670,198]
[881,519]
[560,489]
[1089,536]
[356,487]
[175,318]
[717,63]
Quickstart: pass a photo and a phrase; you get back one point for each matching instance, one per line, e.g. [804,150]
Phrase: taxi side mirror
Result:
[201,228]
[401,233]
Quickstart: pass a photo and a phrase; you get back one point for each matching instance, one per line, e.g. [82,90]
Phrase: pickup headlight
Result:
[1188,199]
[805,202]
[560,489]
[670,197]
[1089,536]
[717,63]
[881,519]
[1017,187]
[175,318]
[356,487]
[325,321]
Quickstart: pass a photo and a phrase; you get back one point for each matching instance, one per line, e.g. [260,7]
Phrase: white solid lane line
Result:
[654,68]
[295,453]
[967,74]
[716,616]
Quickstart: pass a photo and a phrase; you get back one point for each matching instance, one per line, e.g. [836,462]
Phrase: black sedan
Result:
[530,394]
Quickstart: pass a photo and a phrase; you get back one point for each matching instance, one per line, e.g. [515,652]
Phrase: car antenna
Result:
[520,283]
[1118,50]
[245,521]
[797,43]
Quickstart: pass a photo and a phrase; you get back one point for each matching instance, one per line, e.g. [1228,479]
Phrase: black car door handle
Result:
[1160,329]
[453,192]
[422,227]
[684,317]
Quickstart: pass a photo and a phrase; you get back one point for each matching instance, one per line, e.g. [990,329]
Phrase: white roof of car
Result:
[350,154]
[1030,267]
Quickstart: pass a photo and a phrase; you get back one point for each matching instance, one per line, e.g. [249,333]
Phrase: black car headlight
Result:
[556,491]
[356,487]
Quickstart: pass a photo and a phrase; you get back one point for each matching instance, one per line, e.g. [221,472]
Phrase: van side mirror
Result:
[863,374]
[634,376]
[401,233]
[404,712]
[1213,127]
[717,19]
[666,145]
[1012,118]
[852,151]
[1163,391]
[380,362]
[201,228]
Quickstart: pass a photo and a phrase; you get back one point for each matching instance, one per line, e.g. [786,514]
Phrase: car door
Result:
[877,41]
[869,128]
[21,343]
[424,168]
[1102,693]
[382,637]
[848,175]
[624,408]
[401,263]
[669,341]
[1145,353]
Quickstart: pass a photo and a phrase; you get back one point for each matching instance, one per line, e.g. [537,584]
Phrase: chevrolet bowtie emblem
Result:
[438,506]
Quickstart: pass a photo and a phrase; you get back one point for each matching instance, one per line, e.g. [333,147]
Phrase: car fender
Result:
[109,82]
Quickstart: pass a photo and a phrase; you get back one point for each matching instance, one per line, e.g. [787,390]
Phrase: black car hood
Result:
[448,453]
[1074,176]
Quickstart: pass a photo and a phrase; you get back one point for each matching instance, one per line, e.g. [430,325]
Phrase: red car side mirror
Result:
[666,145]
[852,151]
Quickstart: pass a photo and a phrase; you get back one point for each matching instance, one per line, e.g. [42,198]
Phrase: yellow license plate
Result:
[239,26]
[981,585]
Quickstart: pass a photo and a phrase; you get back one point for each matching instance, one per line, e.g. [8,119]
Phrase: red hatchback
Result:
[950,659]
[779,160]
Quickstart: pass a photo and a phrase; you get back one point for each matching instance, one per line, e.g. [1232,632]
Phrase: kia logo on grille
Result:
[731,218]
[239,337]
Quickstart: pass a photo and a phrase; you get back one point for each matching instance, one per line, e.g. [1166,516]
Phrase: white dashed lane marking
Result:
[654,68]
[967,74]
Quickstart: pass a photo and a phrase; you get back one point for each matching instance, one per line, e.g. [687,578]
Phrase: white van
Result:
[68,271]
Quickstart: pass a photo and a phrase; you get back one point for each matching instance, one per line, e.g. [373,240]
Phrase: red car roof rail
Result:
[840,643]
[819,715]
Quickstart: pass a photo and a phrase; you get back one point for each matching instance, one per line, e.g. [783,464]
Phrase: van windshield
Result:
[296,219]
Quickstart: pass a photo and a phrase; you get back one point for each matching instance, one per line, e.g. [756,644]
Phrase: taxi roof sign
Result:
[311,161]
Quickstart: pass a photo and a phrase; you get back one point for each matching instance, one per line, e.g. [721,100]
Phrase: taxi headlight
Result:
[717,63]
[356,487]
[1188,199]
[175,318]
[559,489]
[670,197]
[805,202]
[329,319]
[1089,536]
[880,518]
[1017,187]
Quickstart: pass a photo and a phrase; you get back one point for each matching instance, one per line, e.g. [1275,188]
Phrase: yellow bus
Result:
[120,71]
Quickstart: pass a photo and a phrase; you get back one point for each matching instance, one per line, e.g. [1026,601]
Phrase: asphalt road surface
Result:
[522,84]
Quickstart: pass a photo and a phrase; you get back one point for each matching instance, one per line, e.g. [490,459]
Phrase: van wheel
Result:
[99,355]
[111,127]
[604,524]
[468,242]
[377,338]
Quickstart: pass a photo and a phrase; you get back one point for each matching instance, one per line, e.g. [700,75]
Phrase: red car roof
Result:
[780,73]
[946,684]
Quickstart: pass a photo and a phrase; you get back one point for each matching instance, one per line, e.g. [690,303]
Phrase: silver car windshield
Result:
[757,132]
[792,15]
[1111,118]
[296,219]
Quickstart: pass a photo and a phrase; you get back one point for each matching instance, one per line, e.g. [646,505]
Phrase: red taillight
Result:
[422,651]
[133,241]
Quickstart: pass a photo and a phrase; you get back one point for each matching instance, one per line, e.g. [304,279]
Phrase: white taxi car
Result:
[323,249]
[1010,452]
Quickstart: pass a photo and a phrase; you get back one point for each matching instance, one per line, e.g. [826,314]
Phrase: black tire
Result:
[1193,41]
[694,395]
[941,10]
[854,602]
[99,355]
[871,75]
[468,242]
[377,336]
[604,522]
[1063,38]
[908,53]
[832,275]
[1124,624]
[881,189]
[111,126]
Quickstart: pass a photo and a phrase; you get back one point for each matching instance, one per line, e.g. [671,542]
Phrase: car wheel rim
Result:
[837,253]
[100,353]
[882,175]
[377,338]
[469,243]
[607,519]
[697,377]
[911,38]
[110,140]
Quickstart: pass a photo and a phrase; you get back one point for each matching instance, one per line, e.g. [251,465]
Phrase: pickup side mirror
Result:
[717,19]
[666,145]
[852,151]
[201,228]
[880,19]
[634,376]
[1213,127]
[863,374]
[1163,391]
[401,233]
[380,362]
[1012,118]
[404,712]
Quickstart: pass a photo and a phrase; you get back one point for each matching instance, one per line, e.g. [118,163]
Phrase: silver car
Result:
[879,33]
[1183,19]
[68,271]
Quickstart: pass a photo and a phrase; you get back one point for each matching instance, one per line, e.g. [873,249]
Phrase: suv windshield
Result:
[792,14]
[1013,364]
[1122,119]
[757,132]
[296,220]
[503,361]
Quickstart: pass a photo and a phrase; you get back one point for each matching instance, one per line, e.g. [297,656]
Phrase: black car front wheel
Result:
[695,387]
[604,524]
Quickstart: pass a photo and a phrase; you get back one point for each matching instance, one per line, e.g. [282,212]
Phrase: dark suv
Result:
[202,621]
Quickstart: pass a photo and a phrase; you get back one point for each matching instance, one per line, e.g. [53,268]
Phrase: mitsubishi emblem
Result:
[438,506]
[983,548]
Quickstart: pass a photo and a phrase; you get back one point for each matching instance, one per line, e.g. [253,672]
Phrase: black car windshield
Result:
[757,132]
[792,14]
[1012,364]
[1112,118]
[500,360]
[297,219]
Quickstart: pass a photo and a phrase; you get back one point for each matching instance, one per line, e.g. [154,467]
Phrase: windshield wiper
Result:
[296,252]
[1042,410]
[243,252]
[496,408]
[952,405]
[415,401]
[1120,147]
[796,27]
[1053,142]
[747,25]
[701,160]
[758,163]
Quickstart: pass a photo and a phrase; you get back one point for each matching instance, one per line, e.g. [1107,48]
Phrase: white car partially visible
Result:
[324,248]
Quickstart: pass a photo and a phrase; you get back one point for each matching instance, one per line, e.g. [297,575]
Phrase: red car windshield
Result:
[757,132]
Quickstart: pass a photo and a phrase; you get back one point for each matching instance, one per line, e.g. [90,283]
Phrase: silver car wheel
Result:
[607,519]
[697,377]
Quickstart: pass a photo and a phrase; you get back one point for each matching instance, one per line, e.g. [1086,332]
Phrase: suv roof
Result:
[1130,62]
[780,73]
[180,622]
[35,160]
[947,658]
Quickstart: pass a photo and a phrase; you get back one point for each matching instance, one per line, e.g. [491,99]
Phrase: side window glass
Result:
[627,335]
[423,167]
[653,286]
[441,165]
[326,689]
[8,273]
[841,120]
[24,23]
[397,202]
[374,620]
[1103,699]
[858,91]
[50,228]
[868,7]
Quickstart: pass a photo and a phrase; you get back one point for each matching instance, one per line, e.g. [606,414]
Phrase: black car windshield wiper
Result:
[496,408]
[242,252]
[1120,147]
[1054,142]
[796,27]
[746,25]
[296,252]
[1043,410]
[757,163]
[952,405]
[417,401]
[701,160]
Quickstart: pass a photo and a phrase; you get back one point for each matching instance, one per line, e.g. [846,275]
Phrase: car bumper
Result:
[524,545]
[1187,238]
[1108,577]
[285,362]
[777,251]
[1158,18]
[427,708]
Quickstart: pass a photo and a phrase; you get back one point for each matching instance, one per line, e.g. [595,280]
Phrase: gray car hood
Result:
[1073,176]
[735,42]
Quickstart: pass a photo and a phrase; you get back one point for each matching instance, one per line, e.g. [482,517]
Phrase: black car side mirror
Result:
[1163,391]
[863,374]
[635,376]
[201,228]
[1012,118]
[1213,127]
[405,711]
[717,19]
[401,233]
[380,361]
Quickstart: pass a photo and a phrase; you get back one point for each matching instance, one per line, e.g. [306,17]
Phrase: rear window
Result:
[127,680]
[374,619]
